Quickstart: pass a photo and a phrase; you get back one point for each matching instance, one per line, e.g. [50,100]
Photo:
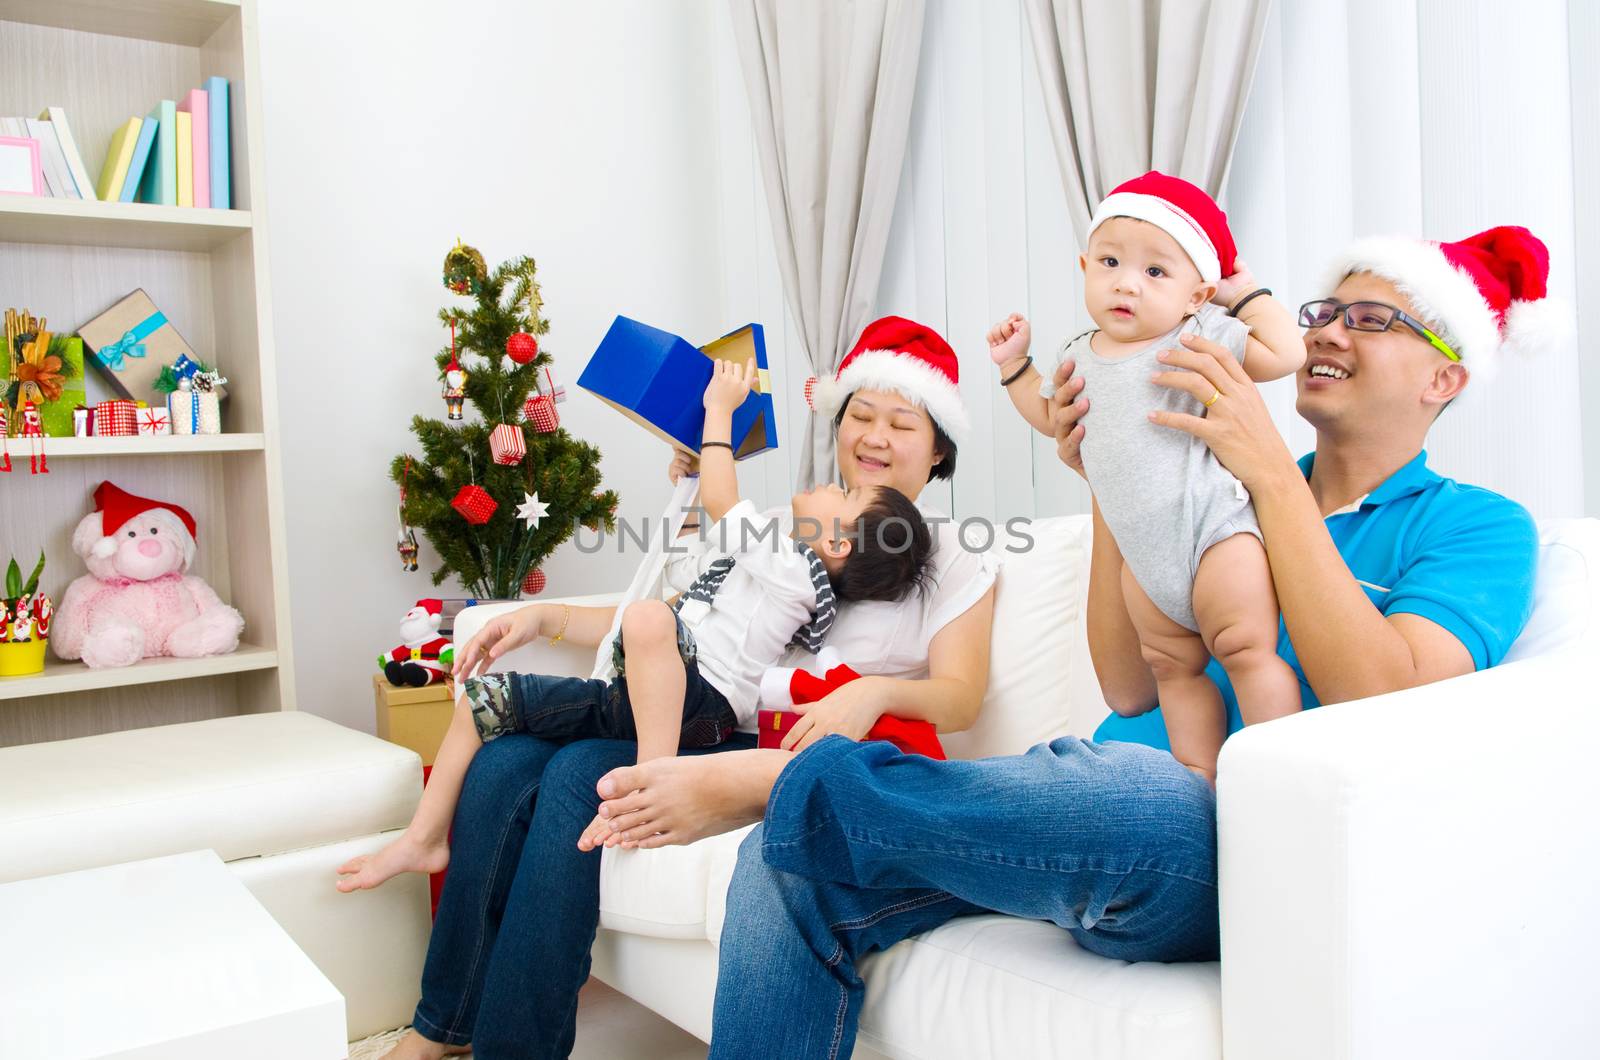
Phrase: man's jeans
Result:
[864,846]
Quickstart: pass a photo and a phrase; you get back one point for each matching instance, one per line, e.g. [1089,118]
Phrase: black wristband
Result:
[719,445]
[1241,303]
[1014,376]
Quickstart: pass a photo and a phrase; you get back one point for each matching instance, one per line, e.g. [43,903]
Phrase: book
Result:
[217,103]
[69,148]
[160,182]
[119,158]
[56,174]
[200,143]
[140,162]
[185,160]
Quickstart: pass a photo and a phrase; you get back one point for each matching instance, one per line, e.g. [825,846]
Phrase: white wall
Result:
[580,134]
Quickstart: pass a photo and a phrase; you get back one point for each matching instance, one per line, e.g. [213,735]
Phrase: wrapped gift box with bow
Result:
[131,343]
[659,380]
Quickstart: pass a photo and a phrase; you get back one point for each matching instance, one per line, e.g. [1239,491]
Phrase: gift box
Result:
[507,445]
[131,342]
[56,412]
[154,421]
[474,504]
[540,410]
[194,412]
[659,380]
[116,418]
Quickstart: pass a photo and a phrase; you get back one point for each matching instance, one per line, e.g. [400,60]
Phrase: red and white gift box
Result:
[154,421]
[549,389]
[507,445]
[116,418]
[540,410]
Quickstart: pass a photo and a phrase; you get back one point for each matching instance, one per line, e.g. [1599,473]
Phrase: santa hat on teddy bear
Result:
[902,357]
[116,507]
[1485,296]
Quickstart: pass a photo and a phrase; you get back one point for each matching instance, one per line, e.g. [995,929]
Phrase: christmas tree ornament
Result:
[33,430]
[507,445]
[810,390]
[522,347]
[406,539]
[549,389]
[474,504]
[464,270]
[455,381]
[534,583]
[532,510]
[540,410]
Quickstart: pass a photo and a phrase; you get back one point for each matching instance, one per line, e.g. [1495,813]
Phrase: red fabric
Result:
[899,335]
[1192,203]
[435,881]
[914,737]
[1508,264]
[116,506]
[432,606]
[474,504]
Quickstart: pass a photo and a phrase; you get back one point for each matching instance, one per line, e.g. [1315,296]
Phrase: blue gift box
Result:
[659,380]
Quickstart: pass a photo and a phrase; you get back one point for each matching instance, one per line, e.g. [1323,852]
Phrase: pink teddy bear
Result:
[136,601]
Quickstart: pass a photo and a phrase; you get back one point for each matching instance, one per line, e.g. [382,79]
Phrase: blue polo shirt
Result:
[1420,544]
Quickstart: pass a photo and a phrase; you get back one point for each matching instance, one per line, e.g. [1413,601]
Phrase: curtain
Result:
[830,85]
[1135,85]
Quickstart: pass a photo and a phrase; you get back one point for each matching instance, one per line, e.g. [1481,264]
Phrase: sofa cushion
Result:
[1566,596]
[663,892]
[243,786]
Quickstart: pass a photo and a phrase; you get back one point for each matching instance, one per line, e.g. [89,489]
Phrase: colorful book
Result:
[56,174]
[119,157]
[160,184]
[69,148]
[185,160]
[217,93]
[200,143]
[140,161]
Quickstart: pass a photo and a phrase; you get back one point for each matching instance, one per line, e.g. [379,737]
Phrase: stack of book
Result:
[177,155]
[64,174]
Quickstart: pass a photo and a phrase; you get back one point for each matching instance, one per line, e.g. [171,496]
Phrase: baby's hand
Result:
[730,384]
[594,836]
[1009,339]
[1231,288]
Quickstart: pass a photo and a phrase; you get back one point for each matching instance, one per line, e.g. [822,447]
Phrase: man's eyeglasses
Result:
[1369,316]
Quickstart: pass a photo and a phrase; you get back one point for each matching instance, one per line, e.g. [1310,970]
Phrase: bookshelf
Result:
[67,261]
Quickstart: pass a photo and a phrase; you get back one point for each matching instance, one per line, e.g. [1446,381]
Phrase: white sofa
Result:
[1408,876]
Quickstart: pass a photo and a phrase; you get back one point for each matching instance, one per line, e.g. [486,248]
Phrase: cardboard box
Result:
[131,342]
[413,717]
[658,380]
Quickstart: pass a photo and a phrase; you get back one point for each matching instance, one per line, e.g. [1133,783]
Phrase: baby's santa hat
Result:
[1485,295]
[116,506]
[905,358]
[1183,211]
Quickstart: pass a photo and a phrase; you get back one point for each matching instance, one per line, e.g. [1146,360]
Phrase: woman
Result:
[510,946]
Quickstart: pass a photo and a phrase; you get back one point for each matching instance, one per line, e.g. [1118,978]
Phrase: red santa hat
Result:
[431,606]
[905,358]
[1183,211]
[1484,296]
[116,506]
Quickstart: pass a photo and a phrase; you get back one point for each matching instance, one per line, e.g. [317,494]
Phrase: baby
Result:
[1195,575]
[688,675]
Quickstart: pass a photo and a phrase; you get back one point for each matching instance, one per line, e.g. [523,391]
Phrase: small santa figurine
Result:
[33,427]
[455,390]
[22,624]
[5,432]
[42,610]
[424,657]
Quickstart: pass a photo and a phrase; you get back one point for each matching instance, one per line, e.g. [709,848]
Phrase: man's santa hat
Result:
[1484,295]
[1183,211]
[116,506]
[902,357]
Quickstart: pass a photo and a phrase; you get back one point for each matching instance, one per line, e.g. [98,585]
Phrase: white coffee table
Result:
[170,958]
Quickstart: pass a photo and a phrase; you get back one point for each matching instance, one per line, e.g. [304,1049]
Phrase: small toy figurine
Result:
[424,657]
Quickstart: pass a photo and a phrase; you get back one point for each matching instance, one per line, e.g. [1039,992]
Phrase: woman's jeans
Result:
[521,902]
[864,846]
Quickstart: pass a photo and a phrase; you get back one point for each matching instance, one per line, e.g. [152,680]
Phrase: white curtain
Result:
[830,84]
[1135,85]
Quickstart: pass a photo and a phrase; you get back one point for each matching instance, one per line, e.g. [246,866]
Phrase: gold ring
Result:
[1213,399]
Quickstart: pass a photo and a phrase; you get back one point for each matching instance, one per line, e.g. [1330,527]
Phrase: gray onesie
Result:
[1164,495]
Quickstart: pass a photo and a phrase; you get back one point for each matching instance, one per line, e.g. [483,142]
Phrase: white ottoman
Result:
[282,798]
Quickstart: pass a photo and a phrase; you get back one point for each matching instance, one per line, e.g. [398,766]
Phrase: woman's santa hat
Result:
[903,357]
[1484,295]
[1182,211]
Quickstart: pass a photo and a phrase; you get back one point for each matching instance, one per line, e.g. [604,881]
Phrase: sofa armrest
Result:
[540,657]
[1403,876]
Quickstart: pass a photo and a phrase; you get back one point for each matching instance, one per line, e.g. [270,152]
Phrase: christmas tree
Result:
[496,495]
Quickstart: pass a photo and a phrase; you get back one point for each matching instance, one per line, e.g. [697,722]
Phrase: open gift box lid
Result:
[658,380]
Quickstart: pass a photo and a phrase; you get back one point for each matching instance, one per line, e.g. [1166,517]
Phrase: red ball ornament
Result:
[474,504]
[522,347]
[534,583]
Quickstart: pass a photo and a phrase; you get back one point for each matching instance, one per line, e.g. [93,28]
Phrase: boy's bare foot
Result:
[680,800]
[405,854]
[415,1047]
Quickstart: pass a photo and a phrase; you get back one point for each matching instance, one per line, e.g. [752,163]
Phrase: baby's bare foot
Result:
[668,801]
[406,854]
[415,1047]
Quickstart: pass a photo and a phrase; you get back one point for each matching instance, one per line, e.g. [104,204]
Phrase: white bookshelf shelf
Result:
[190,22]
[142,445]
[80,223]
[61,677]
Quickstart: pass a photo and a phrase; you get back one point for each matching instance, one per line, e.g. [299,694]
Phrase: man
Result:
[1388,576]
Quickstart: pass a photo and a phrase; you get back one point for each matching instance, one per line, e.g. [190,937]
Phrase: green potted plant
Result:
[24,622]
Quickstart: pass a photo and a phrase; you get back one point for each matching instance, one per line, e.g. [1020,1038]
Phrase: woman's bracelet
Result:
[718,445]
[1241,303]
[1014,376]
[566,616]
